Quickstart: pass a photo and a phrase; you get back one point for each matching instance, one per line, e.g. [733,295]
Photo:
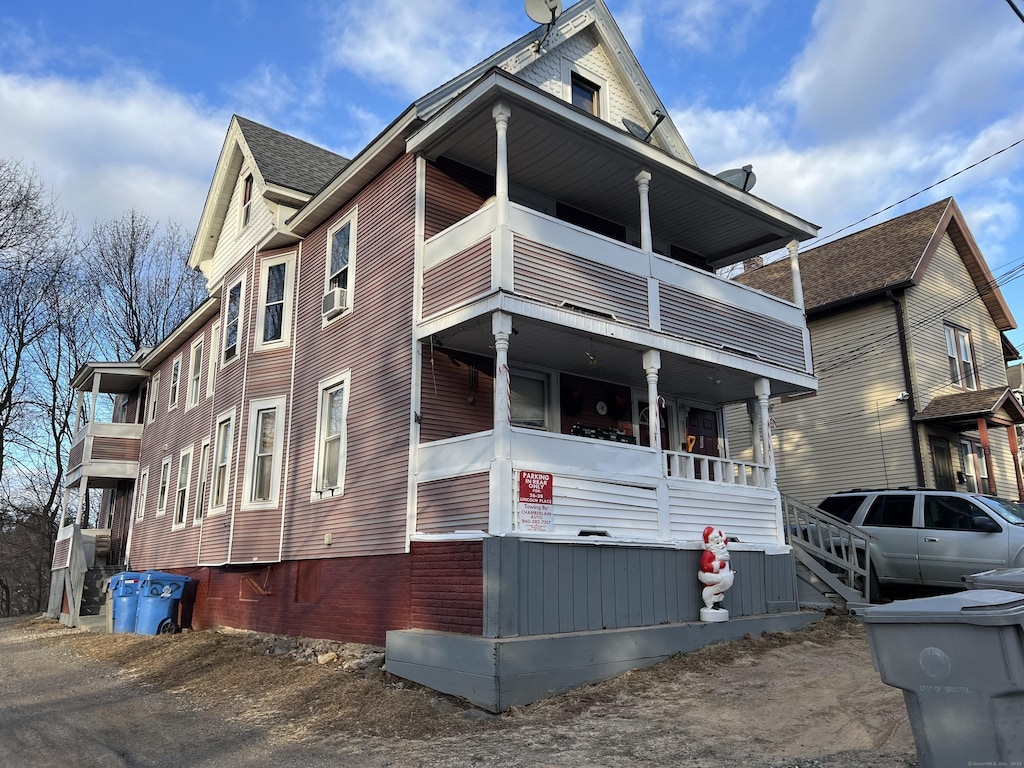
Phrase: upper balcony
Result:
[107,440]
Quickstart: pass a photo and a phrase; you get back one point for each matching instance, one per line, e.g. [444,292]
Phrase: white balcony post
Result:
[763,389]
[643,185]
[500,509]
[753,413]
[794,273]
[501,114]
[79,410]
[95,397]
[652,364]
[83,490]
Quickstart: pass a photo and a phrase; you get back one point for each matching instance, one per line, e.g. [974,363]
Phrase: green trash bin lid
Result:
[989,607]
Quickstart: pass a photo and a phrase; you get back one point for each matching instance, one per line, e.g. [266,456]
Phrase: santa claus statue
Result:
[715,574]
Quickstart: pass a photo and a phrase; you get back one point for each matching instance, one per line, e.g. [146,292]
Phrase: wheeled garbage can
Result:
[959,660]
[124,591]
[1010,579]
[159,596]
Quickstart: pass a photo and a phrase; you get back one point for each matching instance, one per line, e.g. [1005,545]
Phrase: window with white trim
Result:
[529,399]
[165,487]
[331,436]
[584,89]
[960,351]
[195,373]
[338,278]
[201,479]
[246,211]
[140,500]
[222,461]
[233,322]
[182,487]
[154,397]
[275,307]
[972,457]
[211,371]
[172,399]
[265,441]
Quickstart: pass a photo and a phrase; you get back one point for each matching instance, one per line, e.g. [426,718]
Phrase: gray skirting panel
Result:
[498,673]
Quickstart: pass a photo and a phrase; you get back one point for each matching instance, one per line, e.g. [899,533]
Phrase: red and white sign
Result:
[535,500]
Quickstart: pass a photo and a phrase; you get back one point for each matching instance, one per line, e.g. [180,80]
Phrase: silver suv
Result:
[932,537]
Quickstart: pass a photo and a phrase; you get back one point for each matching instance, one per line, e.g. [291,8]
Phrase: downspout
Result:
[908,383]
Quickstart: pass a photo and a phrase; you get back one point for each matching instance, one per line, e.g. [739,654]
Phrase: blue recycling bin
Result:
[124,588]
[159,596]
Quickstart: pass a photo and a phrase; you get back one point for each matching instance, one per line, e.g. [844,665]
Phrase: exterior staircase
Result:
[833,560]
[94,589]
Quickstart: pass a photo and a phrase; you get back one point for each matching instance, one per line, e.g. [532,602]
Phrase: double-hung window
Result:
[338,280]
[172,399]
[233,322]
[960,350]
[154,397]
[182,487]
[222,461]
[201,490]
[247,200]
[195,373]
[140,499]
[332,411]
[275,307]
[263,471]
[165,486]
[972,456]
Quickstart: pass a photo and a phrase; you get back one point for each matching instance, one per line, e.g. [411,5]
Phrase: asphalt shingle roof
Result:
[866,262]
[290,162]
[984,402]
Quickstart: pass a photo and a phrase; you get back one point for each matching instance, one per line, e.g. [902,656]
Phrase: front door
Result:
[942,466]
[701,435]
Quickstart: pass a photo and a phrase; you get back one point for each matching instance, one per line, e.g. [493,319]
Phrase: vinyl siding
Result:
[373,342]
[457,279]
[448,201]
[459,503]
[234,242]
[449,407]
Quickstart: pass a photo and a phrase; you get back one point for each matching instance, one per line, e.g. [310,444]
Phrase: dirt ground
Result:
[808,698]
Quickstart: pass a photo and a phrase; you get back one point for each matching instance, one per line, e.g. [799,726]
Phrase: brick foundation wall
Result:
[355,599]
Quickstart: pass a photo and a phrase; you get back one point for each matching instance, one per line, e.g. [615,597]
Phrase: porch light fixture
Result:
[591,355]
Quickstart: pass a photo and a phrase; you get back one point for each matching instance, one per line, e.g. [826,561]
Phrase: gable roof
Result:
[887,256]
[965,407]
[289,162]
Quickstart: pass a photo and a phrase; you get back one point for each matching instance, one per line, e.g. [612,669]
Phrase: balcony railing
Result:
[559,263]
[105,450]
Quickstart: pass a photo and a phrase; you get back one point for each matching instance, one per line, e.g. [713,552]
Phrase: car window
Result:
[950,513]
[1012,511]
[843,507]
[892,511]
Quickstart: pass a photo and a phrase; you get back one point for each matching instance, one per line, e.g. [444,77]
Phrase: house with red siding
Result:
[464,394]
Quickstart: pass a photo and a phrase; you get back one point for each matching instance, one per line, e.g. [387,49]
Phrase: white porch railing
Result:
[695,466]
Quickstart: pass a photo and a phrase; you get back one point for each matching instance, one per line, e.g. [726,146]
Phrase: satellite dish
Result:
[741,178]
[544,11]
[635,128]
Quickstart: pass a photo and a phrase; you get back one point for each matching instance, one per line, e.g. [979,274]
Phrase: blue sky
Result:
[843,106]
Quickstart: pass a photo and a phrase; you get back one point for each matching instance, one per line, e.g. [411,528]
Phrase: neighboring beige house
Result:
[907,339]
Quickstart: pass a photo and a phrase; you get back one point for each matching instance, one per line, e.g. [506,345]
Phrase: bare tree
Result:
[142,282]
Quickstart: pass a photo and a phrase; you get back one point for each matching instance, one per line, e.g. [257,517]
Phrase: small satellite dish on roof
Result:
[635,128]
[544,11]
[741,178]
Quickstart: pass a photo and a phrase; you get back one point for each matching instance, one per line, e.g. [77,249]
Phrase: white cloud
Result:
[112,143]
[411,48]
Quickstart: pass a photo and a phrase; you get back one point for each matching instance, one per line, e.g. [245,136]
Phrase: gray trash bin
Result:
[1010,579]
[959,660]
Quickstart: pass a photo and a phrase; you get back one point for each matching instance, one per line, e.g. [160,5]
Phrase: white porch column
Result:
[763,389]
[794,272]
[79,410]
[501,114]
[500,509]
[83,489]
[753,413]
[95,397]
[652,364]
[643,185]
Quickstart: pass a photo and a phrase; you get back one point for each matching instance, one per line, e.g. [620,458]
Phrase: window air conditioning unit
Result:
[335,302]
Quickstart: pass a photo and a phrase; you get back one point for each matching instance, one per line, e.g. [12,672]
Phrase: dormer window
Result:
[585,94]
[247,200]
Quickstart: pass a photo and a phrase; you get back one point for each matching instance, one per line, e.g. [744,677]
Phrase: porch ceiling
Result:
[573,157]
[536,343]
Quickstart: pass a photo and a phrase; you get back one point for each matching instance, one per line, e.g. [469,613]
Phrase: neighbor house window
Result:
[960,350]
[233,322]
[972,457]
[201,490]
[195,373]
[263,473]
[165,482]
[330,452]
[154,397]
[140,509]
[181,490]
[222,461]
[274,314]
[172,400]
[529,393]
[585,94]
[247,200]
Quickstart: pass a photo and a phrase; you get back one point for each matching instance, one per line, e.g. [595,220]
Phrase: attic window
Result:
[585,94]
[247,200]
